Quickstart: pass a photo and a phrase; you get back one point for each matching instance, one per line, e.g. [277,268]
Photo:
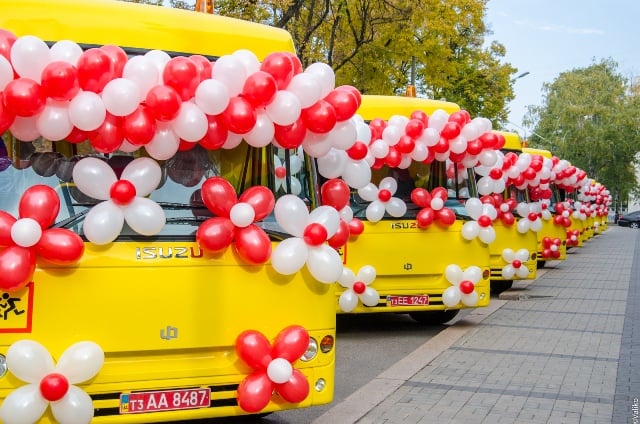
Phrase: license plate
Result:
[166,400]
[407,300]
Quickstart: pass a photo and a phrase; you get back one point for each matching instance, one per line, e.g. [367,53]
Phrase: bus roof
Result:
[511,140]
[375,106]
[135,26]
[541,152]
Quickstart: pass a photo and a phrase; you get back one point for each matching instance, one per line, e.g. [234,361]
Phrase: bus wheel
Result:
[498,286]
[540,264]
[434,317]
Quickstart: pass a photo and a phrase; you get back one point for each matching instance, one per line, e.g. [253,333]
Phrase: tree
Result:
[590,117]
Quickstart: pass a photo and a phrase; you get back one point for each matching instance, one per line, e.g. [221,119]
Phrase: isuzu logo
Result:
[178,252]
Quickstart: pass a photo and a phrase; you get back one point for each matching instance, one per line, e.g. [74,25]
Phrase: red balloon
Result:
[6,116]
[239,116]
[40,202]
[203,65]
[445,216]
[474,147]
[60,246]
[393,158]
[356,227]
[459,117]
[17,265]
[140,126]
[252,244]
[451,130]
[280,66]
[260,88]
[351,89]
[6,41]
[406,144]
[341,236]
[219,196]
[118,58]
[54,386]
[484,220]
[122,192]
[296,389]
[254,392]
[290,136]
[466,286]
[442,146]
[163,102]
[489,140]
[358,151]
[421,197]
[440,193]
[414,128]
[425,217]
[508,218]
[24,97]
[344,103]
[6,222]
[109,136]
[290,343]
[95,70]
[216,133]
[335,192]
[261,200]
[319,117]
[60,81]
[215,234]
[376,126]
[500,143]
[315,234]
[254,349]
[77,136]
[297,65]
[181,74]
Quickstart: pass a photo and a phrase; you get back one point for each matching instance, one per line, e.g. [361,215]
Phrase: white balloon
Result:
[363,132]
[87,111]
[29,56]
[212,96]
[487,235]
[522,255]
[231,72]
[242,214]
[370,297]
[292,214]
[379,149]
[470,299]
[66,51]
[75,407]
[508,272]
[29,361]
[375,211]
[523,225]
[145,216]
[343,135]
[23,405]
[103,223]
[473,207]
[357,174]
[24,128]
[430,137]
[53,122]
[472,273]
[536,225]
[316,145]
[6,73]
[26,232]
[348,300]
[389,183]
[346,214]
[438,119]
[391,135]
[470,230]
[144,173]
[453,273]
[191,124]
[285,108]
[324,263]
[289,256]
[306,88]
[458,144]
[94,177]
[121,96]
[522,272]
[488,157]
[164,144]
[80,361]
[248,59]
[324,75]
[143,72]
[333,163]
[369,192]
[509,255]
[233,140]
[159,58]
[347,278]
[262,132]
[367,274]
[396,207]
[420,152]
[451,296]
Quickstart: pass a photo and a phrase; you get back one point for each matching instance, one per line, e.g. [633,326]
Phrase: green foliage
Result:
[591,117]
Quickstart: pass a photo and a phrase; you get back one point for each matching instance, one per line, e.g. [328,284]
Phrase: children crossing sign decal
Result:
[16,310]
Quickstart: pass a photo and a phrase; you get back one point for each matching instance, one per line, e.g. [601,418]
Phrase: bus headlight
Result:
[312,350]
[3,365]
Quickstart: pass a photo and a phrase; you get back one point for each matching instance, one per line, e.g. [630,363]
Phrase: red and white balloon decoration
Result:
[272,365]
[515,263]
[123,199]
[432,207]
[382,200]
[483,215]
[50,384]
[462,285]
[22,240]
[358,288]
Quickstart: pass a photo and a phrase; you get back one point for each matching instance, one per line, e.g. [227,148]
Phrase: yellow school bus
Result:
[552,233]
[410,261]
[508,236]
[149,327]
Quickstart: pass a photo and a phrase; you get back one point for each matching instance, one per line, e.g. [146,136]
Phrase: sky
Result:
[548,37]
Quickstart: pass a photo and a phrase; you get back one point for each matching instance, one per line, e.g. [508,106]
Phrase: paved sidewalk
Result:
[564,349]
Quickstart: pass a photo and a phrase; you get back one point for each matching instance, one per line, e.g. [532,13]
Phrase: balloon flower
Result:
[123,199]
[272,367]
[573,237]
[281,174]
[484,214]
[515,263]
[49,384]
[432,205]
[503,207]
[531,220]
[462,285]
[358,287]
[382,200]
[551,247]
[308,245]
[23,239]
[235,220]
